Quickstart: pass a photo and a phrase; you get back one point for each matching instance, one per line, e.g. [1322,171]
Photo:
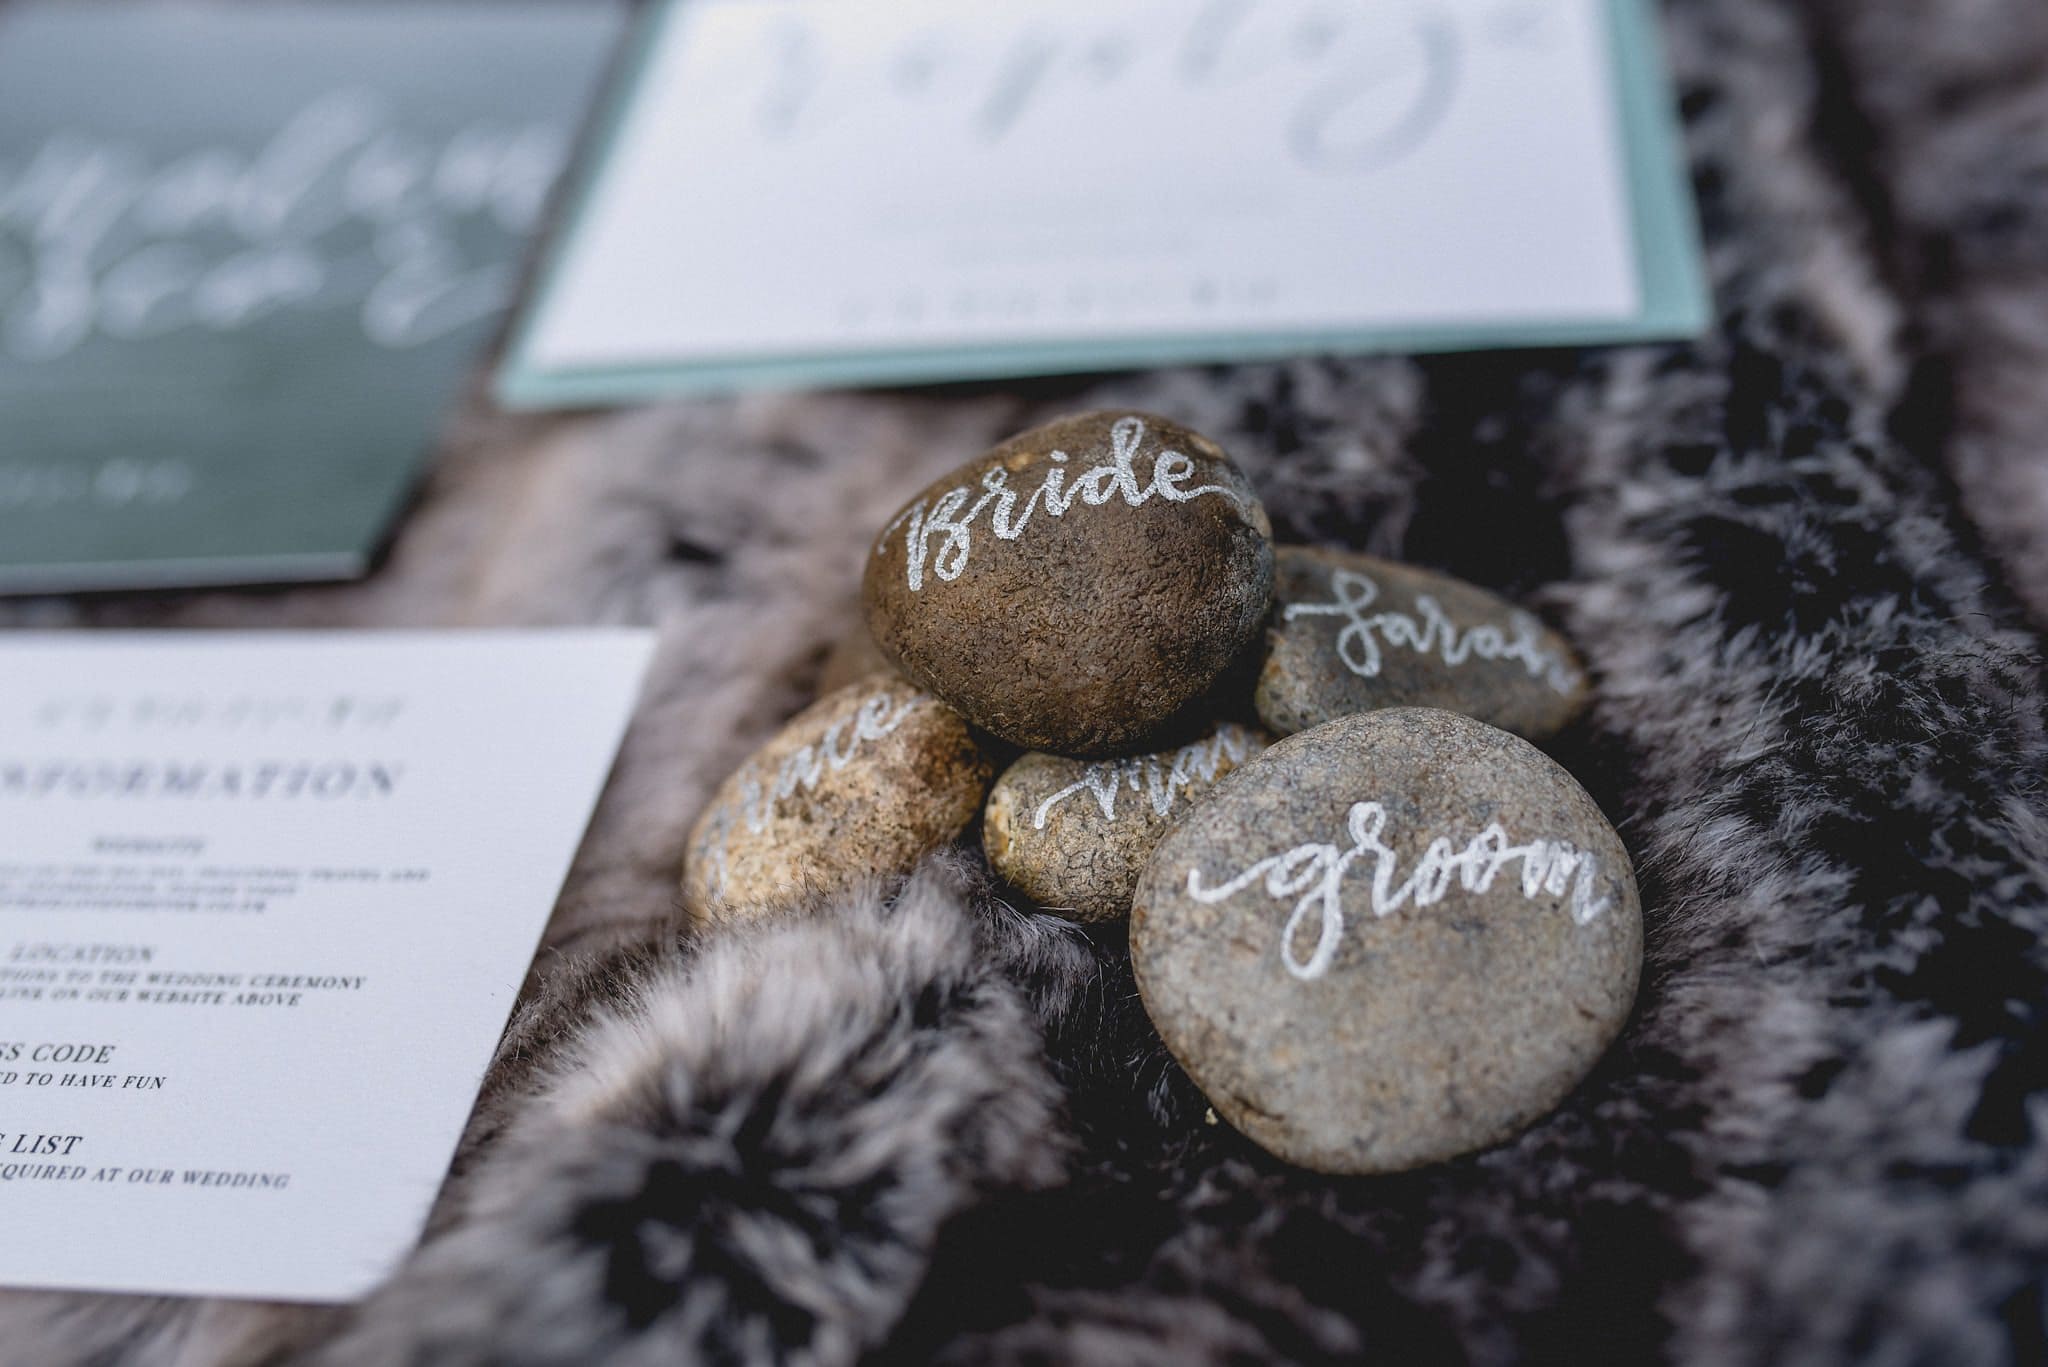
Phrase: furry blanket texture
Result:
[1807,560]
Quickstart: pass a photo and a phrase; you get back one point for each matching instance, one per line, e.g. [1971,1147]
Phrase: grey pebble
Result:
[1391,939]
[1350,633]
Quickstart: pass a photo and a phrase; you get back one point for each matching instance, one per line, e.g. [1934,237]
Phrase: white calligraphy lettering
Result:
[949,519]
[1161,783]
[1316,872]
[1429,630]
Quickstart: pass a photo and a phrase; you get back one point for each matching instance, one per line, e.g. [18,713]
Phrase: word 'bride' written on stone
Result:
[1549,868]
[1429,630]
[875,720]
[1160,783]
[944,519]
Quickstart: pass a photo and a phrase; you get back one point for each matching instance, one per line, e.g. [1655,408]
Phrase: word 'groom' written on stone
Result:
[1549,868]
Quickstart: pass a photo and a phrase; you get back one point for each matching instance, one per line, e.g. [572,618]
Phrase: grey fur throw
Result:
[1807,559]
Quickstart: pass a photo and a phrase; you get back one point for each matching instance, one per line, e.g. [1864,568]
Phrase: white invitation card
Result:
[805,191]
[265,903]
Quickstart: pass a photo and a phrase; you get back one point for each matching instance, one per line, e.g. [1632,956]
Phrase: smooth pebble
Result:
[1080,586]
[1397,937]
[861,784]
[1350,633]
[1073,834]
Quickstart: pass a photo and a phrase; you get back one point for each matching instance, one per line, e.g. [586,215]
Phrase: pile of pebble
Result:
[1375,924]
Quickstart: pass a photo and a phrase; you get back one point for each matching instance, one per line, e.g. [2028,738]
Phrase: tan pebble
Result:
[1073,834]
[862,784]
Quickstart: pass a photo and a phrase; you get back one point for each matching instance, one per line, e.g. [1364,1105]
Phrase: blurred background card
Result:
[246,256]
[831,191]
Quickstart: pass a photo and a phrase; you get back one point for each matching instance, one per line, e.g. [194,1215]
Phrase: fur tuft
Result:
[748,1160]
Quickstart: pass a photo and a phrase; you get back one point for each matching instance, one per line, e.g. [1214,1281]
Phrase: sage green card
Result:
[246,257]
[805,192]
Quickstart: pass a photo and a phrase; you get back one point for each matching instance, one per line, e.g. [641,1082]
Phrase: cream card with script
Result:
[817,190]
[265,902]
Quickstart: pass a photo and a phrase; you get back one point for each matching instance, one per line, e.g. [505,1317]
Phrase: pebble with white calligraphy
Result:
[1389,940]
